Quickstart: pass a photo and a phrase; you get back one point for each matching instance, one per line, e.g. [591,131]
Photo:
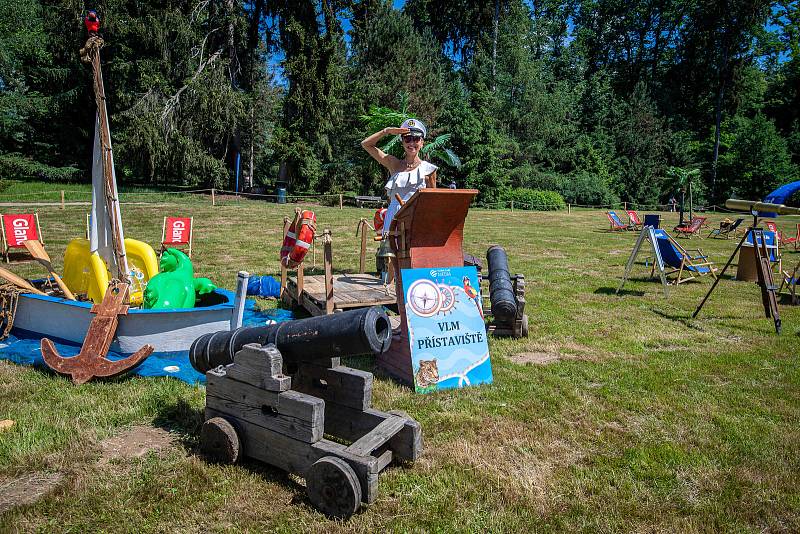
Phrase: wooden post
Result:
[625,206]
[362,260]
[328,260]
[569,209]
[213,200]
[283,267]
[300,283]
[512,205]
[62,199]
[341,201]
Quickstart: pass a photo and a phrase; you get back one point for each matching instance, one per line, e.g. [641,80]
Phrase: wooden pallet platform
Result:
[349,291]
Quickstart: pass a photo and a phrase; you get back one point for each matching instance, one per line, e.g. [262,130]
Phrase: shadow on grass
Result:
[613,291]
[186,421]
[685,318]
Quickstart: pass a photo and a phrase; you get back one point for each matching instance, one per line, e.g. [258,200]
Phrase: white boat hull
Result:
[63,320]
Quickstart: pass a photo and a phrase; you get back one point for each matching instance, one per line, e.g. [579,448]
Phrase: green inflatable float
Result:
[175,286]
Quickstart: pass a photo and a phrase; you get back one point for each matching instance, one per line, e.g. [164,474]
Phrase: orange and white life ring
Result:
[379,219]
[297,242]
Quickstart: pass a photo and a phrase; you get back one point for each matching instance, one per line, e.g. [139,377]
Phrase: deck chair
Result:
[727,230]
[176,232]
[652,219]
[616,222]
[794,241]
[791,281]
[692,228]
[18,228]
[772,247]
[687,266]
[773,227]
[633,217]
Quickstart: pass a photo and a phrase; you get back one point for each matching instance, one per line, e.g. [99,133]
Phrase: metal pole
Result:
[240,299]
[730,260]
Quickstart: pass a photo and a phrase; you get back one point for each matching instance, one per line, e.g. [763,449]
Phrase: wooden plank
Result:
[378,436]
[297,457]
[343,385]
[291,413]
[352,424]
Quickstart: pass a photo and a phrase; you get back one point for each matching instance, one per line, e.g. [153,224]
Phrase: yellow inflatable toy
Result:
[85,272]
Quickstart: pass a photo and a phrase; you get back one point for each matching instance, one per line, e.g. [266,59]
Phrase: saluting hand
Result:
[396,131]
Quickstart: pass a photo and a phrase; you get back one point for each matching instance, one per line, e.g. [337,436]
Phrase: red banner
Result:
[178,231]
[19,228]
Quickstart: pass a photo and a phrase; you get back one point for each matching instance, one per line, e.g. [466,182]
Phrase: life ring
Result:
[379,219]
[296,244]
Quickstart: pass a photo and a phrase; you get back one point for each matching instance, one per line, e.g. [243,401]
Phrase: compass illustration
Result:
[424,298]
[448,298]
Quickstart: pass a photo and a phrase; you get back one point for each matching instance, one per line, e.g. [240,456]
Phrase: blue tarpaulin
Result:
[26,351]
[780,196]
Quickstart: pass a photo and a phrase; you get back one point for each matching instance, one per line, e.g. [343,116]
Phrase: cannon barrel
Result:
[364,331]
[501,290]
[747,205]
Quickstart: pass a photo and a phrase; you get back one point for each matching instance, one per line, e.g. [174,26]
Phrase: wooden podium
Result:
[428,231]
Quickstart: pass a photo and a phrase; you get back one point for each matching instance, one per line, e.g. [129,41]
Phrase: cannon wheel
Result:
[524,329]
[333,487]
[219,441]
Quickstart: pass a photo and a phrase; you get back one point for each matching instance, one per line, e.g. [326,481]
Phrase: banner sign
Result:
[446,330]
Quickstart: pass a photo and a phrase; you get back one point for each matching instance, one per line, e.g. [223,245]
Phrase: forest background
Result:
[598,100]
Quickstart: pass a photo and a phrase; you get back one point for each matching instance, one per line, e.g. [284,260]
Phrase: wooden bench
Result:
[362,201]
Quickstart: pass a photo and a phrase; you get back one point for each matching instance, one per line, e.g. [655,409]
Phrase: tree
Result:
[754,159]
[311,38]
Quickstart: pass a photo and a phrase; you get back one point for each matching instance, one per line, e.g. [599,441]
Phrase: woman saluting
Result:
[407,175]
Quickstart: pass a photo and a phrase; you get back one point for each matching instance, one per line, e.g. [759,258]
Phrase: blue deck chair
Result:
[772,247]
[687,266]
[791,281]
[616,222]
[652,219]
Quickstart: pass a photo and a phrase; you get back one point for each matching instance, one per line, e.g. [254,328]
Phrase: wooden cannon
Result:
[275,402]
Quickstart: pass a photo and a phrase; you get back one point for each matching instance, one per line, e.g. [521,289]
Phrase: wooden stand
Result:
[254,409]
[428,231]
[323,295]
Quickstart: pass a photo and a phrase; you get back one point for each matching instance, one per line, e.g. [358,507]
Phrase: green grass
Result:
[649,420]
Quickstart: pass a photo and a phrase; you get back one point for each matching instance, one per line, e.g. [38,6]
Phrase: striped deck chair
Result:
[794,241]
[693,228]
[687,266]
[616,222]
[633,217]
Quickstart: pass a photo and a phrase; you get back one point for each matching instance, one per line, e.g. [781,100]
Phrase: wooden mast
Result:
[90,53]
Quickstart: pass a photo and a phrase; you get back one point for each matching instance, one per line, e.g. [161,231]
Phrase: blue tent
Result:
[780,196]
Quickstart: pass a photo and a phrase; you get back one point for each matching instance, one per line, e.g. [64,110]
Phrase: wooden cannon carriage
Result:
[278,408]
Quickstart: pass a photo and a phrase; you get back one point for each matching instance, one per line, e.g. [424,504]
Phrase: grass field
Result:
[644,419]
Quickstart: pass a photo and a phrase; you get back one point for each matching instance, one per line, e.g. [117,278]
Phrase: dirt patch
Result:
[27,489]
[535,358]
[135,443]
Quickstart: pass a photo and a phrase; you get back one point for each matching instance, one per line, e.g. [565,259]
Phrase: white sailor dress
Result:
[405,184]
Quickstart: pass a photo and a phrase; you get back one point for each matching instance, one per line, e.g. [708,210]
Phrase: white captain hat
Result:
[415,127]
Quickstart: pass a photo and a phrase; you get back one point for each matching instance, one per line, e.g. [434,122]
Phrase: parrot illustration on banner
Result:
[472,293]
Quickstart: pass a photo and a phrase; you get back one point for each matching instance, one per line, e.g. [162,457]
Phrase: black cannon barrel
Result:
[501,290]
[364,331]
